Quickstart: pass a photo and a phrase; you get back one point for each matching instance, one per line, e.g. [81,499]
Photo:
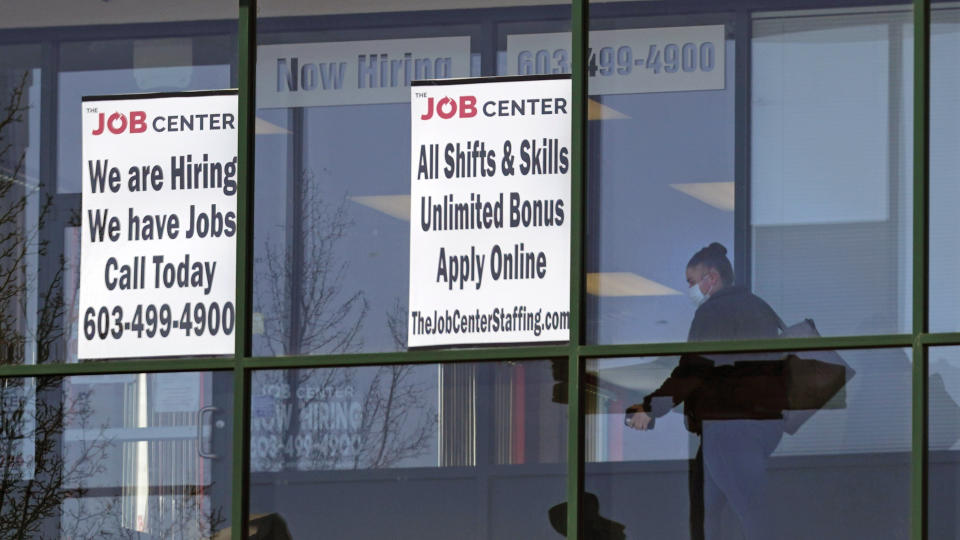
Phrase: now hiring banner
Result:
[490,211]
[159,225]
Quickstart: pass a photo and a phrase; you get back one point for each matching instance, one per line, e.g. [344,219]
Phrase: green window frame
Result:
[576,351]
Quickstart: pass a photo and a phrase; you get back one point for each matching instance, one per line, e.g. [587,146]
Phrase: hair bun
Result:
[717,247]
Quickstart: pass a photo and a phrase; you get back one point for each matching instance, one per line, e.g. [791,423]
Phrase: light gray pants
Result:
[735,456]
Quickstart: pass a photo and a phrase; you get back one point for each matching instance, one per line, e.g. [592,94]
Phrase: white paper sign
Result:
[355,72]
[159,225]
[490,212]
[630,61]
[176,392]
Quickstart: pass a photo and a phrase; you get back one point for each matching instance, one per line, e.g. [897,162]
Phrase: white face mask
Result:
[696,295]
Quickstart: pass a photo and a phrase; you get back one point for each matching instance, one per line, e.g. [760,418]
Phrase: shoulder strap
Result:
[780,324]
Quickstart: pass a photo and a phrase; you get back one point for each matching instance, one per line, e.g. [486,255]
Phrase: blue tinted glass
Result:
[944,167]
[332,238]
[116,456]
[472,448]
[944,436]
[45,70]
[751,446]
[792,152]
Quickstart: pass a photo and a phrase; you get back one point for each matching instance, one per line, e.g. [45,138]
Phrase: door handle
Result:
[201,447]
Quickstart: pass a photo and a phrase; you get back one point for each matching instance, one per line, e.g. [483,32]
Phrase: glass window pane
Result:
[944,433]
[755,446]
[785,139]
[52,53]
[134,66]
[944,167]
[333,156]
[116,456]
[832,169]
[21,217]
[475,448]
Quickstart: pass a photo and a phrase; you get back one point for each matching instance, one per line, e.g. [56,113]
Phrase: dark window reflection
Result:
[801,168]
[944,433]
[944,167]
[751,423]
[473,448]
[31,299]
[115,456]
[743,455]
[40,92]
[333,174]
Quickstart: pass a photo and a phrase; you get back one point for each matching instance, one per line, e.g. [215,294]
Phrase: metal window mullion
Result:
[943,339]
[49,168]
[759,345]
[151,365]
[580,29]
[408,357]
[246,65]
[921,220]
[743,91]
[466,355]
[919,462]
[590,351]
[575,444]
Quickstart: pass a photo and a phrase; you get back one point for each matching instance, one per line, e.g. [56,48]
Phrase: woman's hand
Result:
[638,420]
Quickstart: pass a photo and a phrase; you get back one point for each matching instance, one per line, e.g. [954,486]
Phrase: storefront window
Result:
[116,455]
[333,159]
[944,435]
[944,167]
[20,196]
[741,454]
[755,158]
[796,158]
[44,73]
[831,173]
[472,449]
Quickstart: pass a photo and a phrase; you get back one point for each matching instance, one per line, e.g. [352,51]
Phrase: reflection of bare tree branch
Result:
[37,475]
[343,421]
[397,323]
[100,518]
[20,241]
[34,484]
[12,113]
[328,318]
[33,471]
[52,456]
[14,245]
[308,309]
[397,421]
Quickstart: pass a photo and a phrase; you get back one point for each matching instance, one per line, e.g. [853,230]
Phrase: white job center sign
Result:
[159,225]
[490,211]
